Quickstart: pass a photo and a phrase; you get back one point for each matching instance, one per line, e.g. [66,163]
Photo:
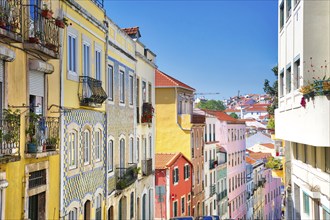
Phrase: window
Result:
[149,92]
[175,175]
[288,80]
[132,205]
[192,142]
[72,53]
[281,84]
[122,86]
[86,59]
[73,214]
[86,141]
[98,144]
[98,64]
[110,156]
[37,178]
[182,205]
[110,83]
[306,203]
[144,91]
[175,208]
[288,8]
[73,154]
[213,132]
[297,74]
[229,185]
[186,170]
[137,149]
[131,150]
[131,90]
[98,211]
[150,147]
[210,134]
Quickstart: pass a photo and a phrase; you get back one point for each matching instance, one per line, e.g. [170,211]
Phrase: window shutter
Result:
[36,83]
[1,70]
[173,173]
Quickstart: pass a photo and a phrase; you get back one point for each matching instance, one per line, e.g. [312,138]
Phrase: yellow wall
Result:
[169,136]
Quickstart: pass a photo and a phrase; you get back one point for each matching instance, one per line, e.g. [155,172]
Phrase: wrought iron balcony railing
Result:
[212,190]
[10,19]
[147,113]
[147,167]
[221,195]
[9,134]
[197,119]
[40,30]
[91,92]
[126,176]
[42,133]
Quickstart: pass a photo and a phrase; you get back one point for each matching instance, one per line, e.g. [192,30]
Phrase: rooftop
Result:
[164,80]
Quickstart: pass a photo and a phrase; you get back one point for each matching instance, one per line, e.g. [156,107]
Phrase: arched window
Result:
[132,205]
[98,210]
[110,156]
[122,155]
[73,214]
[98,144]
[73,151]
[87,144]
[131,150]
[137,149]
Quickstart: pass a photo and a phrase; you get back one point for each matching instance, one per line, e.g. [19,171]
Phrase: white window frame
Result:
[131,89]
[176,175]
[87,146]
[73,214]
[72,71]
[110,82]
[98,62]
[73,153]
[86,58]
[110,155]
[137,149]
[98,144]
[144,91]
[131,150]
[122,86]
[183,208]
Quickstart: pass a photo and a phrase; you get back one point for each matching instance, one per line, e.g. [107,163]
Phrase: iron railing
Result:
[126,176]
[147,167]
[10,16]
[42,131]
[39,28]
[212,190]
[91,92]
[9,134]
[221,195]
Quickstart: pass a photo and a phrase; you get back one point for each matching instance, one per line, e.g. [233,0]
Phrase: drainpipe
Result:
[106,120]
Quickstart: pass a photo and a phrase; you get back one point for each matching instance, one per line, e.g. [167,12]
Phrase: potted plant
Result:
[307,91]
[61,22]
[9,128]
[31,132]
[36,38]
[46,13]
[51,144]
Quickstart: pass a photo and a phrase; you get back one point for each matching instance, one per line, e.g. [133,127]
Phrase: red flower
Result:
[303,102]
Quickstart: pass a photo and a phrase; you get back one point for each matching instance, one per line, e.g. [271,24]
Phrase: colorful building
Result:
[302,118]
[173,182]
[83,77]
[30,49]
[221,183]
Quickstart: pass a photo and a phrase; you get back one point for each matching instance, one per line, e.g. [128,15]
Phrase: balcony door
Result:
[122,157]
[35,25]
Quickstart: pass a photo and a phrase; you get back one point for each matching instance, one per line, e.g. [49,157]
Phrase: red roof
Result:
[256,109]
[222,116]
[259,155]
[268,145]
[232,110]
[165,160]
[164,80]
[132,30]
[250,160]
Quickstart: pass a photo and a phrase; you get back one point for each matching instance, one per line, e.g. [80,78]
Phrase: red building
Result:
[173,181]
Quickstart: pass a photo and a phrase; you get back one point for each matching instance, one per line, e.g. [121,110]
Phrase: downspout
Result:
[177,116]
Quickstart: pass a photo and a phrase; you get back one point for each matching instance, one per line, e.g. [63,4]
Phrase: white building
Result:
[304,51]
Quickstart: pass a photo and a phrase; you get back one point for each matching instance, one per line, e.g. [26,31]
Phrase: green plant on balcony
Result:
[51,143]
[46,12]
[61,22]
[10,132]
[31,132]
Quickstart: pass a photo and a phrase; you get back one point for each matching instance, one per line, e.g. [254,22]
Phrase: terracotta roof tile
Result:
[268,145]
[250,160]
[259,155]
[222,116]
[163,160]
[132,30]
[164,80]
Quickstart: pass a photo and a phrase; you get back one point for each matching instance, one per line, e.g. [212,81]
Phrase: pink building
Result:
[231,135]
[271,196]
[173,182]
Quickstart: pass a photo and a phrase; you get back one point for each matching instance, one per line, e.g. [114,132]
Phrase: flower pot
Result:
[34,40]
[50,147]
[47,14]
[59,23]
[32,148]
[40,149]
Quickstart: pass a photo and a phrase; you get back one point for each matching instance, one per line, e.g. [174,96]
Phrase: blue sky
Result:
[213,46]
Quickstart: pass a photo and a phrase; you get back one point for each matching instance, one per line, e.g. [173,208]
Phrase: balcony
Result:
[147,167]
[213,164]
[147,113]
[262,182]
[9,136]
[41,34]
[126,176]
[212,190]
[303,125]
[42,136]
[10,21]
[91,93]
[222,195]
[197,119]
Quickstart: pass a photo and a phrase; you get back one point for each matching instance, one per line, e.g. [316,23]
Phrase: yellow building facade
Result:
[30,94]
[174,105]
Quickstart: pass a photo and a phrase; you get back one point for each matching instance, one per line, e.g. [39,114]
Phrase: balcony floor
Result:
[41,50]
[9,36]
